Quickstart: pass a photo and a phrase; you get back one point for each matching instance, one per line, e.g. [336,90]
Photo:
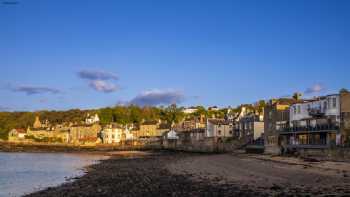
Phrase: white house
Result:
[92,119]
[128,134]
[314,123]
[219,128]
[172,135]
[115,133]
[328,106]
[112,134]
[190,110]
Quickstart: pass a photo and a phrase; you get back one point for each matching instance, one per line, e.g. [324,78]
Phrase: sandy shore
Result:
[185,174]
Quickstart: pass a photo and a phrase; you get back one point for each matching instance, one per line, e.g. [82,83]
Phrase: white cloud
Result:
[103,86]
[316,88]
[157,97]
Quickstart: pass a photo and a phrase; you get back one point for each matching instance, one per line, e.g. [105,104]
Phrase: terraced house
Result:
[318,123]
[313,123]
[276,118]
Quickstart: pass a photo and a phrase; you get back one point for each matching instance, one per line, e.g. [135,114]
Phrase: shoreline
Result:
[164,173]
[66,148]
[144,172]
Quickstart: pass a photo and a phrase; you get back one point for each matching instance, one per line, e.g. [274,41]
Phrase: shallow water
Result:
[23,173]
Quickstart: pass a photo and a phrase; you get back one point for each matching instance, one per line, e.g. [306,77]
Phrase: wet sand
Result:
[186,174]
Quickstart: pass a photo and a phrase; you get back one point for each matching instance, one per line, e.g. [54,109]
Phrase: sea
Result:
[24,173]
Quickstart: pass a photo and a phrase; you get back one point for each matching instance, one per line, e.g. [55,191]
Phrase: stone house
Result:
[189,124]
[345,116]
[150,129]
[45,132]
[84,134]
[250,128]
[276,117]
[219,128]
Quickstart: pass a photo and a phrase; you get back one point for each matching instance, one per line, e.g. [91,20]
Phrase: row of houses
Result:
[72,133]
[88,132]
[279,125]
[317,123]
[214,134]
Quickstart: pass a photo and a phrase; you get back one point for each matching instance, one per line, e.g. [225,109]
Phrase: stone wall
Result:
[337,154]
[206,145]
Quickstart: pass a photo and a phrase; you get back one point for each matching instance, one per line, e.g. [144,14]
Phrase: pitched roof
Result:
[20,130]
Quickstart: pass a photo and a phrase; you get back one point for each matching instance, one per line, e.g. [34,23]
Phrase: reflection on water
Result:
[22,173]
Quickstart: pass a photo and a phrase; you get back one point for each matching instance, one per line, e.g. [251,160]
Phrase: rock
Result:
[275,187]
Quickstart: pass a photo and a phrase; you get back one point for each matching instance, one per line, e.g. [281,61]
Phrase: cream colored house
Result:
[17,135]
[150,129]
[112,134]
[219,128]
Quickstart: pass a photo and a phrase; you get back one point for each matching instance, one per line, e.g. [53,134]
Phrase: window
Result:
[295,109]
[298,109]
[303,139]
[219,132]
[334,102]
[325,105]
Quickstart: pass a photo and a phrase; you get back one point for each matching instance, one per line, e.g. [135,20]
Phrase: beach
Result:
[164,173]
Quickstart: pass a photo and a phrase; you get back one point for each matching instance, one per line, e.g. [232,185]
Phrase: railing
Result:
[327,127]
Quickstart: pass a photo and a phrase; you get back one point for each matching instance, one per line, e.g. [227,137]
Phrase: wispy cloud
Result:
[316,88]
[157,97]
[103,86]
[2,108]
[30,89]
[100,80]
[97,75]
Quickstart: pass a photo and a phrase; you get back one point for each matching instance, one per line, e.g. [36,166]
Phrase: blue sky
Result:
[88,54]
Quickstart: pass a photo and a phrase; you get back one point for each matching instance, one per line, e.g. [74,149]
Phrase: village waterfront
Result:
[192,151]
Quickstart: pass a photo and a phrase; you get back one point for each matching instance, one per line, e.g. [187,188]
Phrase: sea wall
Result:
[205,145]
[329,154]
[46,147]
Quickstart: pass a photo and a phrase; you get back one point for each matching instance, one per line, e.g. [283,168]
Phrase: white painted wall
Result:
[172,135]
[329,105]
